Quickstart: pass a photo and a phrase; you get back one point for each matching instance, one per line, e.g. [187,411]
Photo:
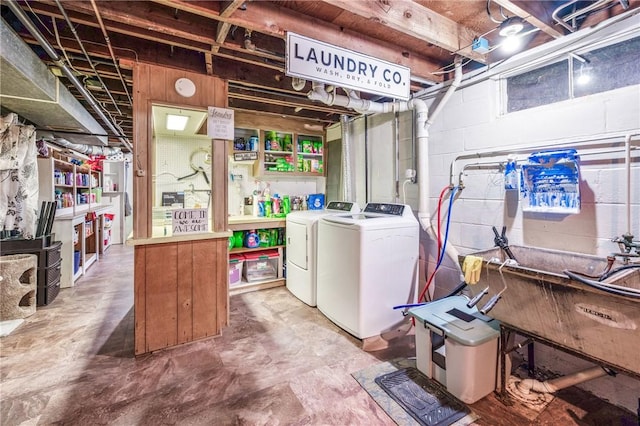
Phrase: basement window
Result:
[580,74]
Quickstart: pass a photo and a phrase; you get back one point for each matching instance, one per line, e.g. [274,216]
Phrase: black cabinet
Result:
[49,263]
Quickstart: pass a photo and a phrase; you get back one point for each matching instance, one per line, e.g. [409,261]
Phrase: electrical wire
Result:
[38,18]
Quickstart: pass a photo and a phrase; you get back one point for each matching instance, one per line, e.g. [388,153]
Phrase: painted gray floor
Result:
[279,362]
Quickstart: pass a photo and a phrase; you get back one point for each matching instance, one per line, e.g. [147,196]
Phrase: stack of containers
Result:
[236,262]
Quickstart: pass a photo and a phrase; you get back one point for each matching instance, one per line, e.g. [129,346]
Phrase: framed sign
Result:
[242,156]
[318,61]
[220,123]
[189,221]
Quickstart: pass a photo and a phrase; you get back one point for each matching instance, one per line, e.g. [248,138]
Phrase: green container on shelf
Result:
[238,238]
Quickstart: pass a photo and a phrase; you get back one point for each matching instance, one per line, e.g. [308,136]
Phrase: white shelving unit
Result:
[113,191]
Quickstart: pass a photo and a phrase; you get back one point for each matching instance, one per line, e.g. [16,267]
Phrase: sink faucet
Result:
[627,246]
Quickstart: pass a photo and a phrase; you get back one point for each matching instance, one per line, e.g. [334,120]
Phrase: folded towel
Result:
[472,266]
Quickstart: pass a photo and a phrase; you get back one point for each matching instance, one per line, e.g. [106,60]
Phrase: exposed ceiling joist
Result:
[533,13]
[243,42]
[274,20]
[417,21]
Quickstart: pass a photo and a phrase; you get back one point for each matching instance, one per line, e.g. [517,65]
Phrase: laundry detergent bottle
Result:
[252,240]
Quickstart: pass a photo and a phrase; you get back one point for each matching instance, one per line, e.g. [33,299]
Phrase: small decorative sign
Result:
[314,60]
[243,156]
[220,123]
[189,221]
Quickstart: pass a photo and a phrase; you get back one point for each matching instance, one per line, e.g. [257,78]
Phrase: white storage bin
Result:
[470,348]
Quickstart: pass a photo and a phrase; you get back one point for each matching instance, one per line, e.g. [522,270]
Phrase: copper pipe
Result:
[113,55]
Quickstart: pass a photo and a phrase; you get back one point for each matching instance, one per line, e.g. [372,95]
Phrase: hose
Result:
[600,286]
[440,252]
[613,271]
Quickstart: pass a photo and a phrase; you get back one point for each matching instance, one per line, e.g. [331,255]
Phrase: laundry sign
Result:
[318,61]
[189,221]
[220,123]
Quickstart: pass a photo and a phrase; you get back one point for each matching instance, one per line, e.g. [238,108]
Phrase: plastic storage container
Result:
[236,261]
[470,348]
[261,265]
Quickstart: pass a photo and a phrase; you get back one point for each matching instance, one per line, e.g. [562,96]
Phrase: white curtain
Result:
[18,177]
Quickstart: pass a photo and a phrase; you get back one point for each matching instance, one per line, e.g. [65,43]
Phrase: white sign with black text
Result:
[318,61]
[220,123]
[189,221]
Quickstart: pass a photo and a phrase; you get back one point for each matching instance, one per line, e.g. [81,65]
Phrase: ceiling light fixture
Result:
[511,26]
[177,122]
[511,44]
[583,77]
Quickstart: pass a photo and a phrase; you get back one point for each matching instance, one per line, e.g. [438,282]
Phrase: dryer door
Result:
[297,247]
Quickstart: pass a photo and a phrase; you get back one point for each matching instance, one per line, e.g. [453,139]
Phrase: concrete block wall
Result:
[473,122]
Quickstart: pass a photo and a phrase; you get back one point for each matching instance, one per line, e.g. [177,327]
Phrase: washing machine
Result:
[301,240]
[367,264]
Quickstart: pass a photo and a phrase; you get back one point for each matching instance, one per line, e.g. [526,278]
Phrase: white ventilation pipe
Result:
[347,187]
[526,386]
[423,122]
[627,166]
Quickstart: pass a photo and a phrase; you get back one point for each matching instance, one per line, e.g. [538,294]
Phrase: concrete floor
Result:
[279,362]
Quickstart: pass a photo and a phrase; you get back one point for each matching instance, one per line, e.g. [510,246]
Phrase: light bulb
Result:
[583,79]
[510,44]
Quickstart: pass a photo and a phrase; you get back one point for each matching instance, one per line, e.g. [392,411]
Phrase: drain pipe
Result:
[627,161]
[347,188]
[524,387]
[17,10]
[423,122]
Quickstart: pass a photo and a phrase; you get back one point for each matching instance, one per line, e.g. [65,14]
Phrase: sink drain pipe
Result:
[526,386]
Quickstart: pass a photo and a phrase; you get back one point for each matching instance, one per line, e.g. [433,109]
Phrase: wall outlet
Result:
[409,173]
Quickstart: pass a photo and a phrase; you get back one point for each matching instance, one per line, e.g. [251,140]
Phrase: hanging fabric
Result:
[18,177]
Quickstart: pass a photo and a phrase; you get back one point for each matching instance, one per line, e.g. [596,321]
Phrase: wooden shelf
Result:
[246,287]
[248,250]
[89,259]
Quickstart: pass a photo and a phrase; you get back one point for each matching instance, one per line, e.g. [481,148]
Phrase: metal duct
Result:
[29,25]
[85,149]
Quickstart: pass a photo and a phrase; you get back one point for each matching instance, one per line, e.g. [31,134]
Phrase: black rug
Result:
[400,415]
[427,402]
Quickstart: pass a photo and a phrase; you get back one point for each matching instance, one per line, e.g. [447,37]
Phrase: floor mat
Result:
[367,379]
[425,401]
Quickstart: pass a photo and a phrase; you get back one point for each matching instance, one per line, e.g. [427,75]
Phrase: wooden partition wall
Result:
[181,286]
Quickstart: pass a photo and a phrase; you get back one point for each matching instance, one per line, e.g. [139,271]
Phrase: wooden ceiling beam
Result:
[186,42]
[268,18]
[416,21]
[534,13]
[140,15]
[227,9]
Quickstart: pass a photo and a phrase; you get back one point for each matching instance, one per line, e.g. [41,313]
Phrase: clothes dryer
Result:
[367,264]
[301,240]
